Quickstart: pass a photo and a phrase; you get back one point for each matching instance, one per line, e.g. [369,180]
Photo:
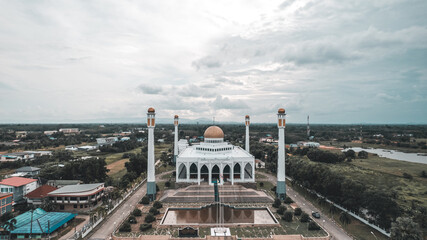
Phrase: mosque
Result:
[214,160]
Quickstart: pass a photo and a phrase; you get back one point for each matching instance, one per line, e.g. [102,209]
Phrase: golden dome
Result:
[214,132]
[247,116]
[176,116]
[151,110]
[281,110]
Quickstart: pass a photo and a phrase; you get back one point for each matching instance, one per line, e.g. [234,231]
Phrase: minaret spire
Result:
[281,180]
[247,122]
[175,148]
[308,127]
[151,179]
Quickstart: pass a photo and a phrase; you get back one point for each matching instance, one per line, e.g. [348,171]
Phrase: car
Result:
[315,214]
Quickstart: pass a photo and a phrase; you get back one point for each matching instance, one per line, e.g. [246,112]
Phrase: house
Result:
[48,133]
[308,144]
[69,130]
[19,186]
[259,164]
[62,183]
[86,148]
[81,197]
[106,141]
[71,148]
[39,223]
[6,202]
[21,134]
[17,156]
[37,196]
[28,171]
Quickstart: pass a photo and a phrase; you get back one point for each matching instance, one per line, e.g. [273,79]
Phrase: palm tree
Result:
[345,218]
[10,226]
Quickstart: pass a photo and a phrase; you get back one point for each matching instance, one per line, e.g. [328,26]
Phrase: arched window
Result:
[215,173]
[182,171]
[236,171]
[193,171]
[204,174]
[226,173]
[248,171]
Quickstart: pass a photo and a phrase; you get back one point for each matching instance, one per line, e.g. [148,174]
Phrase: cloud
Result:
[150,89]
[226,103]
[207,62]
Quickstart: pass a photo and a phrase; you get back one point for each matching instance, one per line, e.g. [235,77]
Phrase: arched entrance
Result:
[236,171]
[193,171]
[248,171]
[226,173]
[215,173]
[182,171]
[204,174]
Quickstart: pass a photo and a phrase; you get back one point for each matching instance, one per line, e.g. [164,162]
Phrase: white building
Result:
[69,130]
[106,141]
[215,159]
[19,186]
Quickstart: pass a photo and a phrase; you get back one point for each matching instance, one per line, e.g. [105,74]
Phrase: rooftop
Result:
[17,181]
[27,169]
[5,194]
[41,191]
[73,189]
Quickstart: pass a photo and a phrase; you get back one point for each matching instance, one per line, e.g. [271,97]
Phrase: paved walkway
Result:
[331,227]
[121,213]
[78,227]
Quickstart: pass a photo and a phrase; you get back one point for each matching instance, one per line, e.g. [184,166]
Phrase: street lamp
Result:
[374,235]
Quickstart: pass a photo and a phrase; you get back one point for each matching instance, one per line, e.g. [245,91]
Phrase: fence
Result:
[379,229]
[88,227]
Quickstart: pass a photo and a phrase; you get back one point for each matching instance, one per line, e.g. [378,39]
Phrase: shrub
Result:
[281,209]
[363,154]
[145,226]
[407,175]
[287,216]
[153,211]
[304,217]
[174,173]
[132,219]
[277,203]
[273,189]
[297,211]
[145,200]
[167,184]
[149,218]
[261,184]
[288,200]
[157,204]
[137,212]
[313,226]
[125,227]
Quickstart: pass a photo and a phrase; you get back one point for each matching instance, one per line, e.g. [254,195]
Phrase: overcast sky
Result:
[337,61]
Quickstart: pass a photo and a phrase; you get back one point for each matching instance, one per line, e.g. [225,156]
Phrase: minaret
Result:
[281,184]
[308,127]
[151,178]
[247,122]
[175,148]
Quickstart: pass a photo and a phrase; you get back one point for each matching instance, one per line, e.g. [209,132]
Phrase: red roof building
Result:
[36,197]
[17,181]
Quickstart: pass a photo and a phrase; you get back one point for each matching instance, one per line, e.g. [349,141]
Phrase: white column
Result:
[188,171]
[281,156]
[247,139]
[253,171]
[198,173]
[242,172]
[175,148]
[232,173]
[221,173]
[210,174]
[150,160]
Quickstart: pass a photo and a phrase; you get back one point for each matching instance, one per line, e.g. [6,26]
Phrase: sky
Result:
[338,61]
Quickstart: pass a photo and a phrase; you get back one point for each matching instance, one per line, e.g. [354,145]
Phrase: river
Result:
[392,154]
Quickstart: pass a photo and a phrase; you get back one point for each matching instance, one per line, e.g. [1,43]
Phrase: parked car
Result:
[315,214]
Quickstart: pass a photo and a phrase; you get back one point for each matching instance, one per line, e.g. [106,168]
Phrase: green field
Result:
[371,145]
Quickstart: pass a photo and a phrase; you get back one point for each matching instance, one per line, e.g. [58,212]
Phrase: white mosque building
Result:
[215,159]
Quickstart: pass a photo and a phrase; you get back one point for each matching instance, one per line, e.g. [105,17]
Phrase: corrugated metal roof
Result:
[76,188]
[27,169]
[43,222]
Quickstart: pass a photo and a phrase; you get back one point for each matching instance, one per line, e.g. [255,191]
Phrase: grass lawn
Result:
[368,145]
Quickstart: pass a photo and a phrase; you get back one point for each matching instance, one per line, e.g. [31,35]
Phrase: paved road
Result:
[108,226]
[331,227]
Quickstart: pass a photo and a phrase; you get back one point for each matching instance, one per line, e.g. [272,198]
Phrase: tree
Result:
[405,229]
[132,219]
[277,203]
[288,200]
[363,154]
[287,216]
[145,200]
[125,227]
[281,209]
[145,226]
[345,218]
[150,218]
[423,174]
[304,217]
[297,211]
[153,211]
[137,212]
[350,154]
[10,226]
[313,226]
[157,204]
